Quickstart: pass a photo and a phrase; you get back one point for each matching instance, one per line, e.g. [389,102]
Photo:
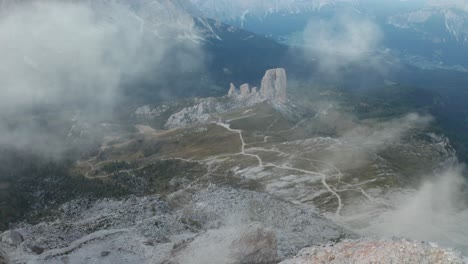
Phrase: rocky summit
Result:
[273,92]
[3,257]
[274,85]
[273,88]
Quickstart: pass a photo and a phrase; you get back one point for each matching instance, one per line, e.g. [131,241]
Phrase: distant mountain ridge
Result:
[439,27]
[454,13]
[223,52]
[232,10]
[455,22]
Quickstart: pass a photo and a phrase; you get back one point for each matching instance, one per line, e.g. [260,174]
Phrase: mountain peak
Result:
[273,87]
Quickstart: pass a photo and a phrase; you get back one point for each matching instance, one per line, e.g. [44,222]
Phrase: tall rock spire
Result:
[232,91]
[273,88]
[274,85]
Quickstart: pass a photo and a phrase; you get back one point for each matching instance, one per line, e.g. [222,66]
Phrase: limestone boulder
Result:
[12,238]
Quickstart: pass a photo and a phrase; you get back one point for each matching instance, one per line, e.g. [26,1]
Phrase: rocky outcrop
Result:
[245,90]
[267,88]
[3,257]
[12,238]
[204,110]
[151,113]
[273,88]
[255,245]
[274,85]
[249,244]
[281,86]
[254,92]
[232,90]
[304,227]
[197,113]
[377,251]
[208,225]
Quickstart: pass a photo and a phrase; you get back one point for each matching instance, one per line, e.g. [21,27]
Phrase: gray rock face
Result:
[255,245]
[197,113]
[245,90]
[232,91]
[280,86]
[151,113]
[254,91]
[246,244]
[274,85]
[12,238]
[273,88]
[36,250]
[3,257]
[204,109]
[267,88]
[303,228]
[377,251]
[212,225]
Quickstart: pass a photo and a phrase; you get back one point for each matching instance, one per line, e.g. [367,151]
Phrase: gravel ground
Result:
[146,229]
[369,251]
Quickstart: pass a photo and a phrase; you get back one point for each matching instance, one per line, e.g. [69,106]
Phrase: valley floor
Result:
[251,170]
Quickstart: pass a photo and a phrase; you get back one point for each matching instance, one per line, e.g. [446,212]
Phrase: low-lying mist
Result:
[437,211]
[430,203]
[345,48]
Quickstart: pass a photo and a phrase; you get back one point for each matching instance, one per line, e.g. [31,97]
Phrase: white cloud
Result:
[342,41]
[367,138]
[435,212]
[74,55]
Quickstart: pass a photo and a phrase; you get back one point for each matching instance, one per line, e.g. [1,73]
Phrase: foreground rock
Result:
[12,238]
[240,226]
[273,88]
[377,251]
[232,90]
[295,227]
[245,244]
[3,257]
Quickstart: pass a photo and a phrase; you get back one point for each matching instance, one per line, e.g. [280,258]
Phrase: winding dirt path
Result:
[244,151]
[324,176]
[238,131]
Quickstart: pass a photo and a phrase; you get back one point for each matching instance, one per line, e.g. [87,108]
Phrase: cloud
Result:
[52,53]
[65,59]
[357,141]
[435,212]
[373,137]
[345,40]
[433,209]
